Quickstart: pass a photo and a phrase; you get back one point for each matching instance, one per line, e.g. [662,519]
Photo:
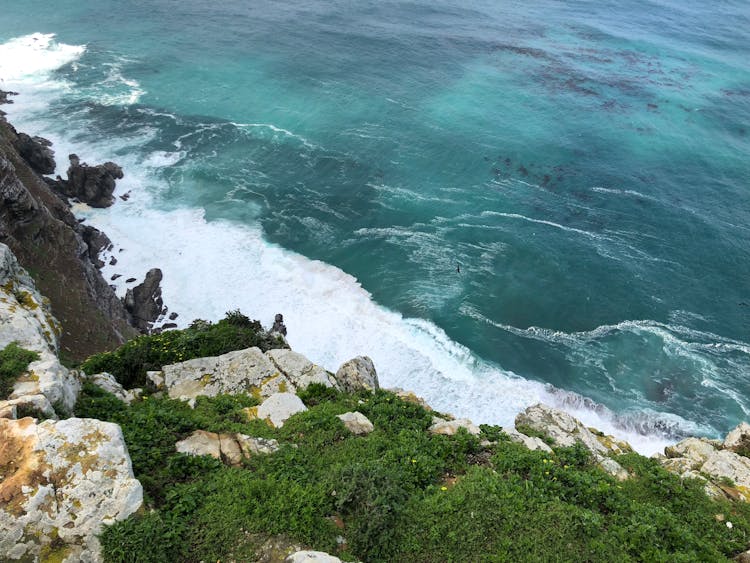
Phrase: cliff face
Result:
[57,251]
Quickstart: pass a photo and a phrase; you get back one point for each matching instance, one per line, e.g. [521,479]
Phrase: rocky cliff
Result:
[60,253]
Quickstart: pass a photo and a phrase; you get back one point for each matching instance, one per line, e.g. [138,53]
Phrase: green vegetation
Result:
[399,493]
[14,360]
[130,362]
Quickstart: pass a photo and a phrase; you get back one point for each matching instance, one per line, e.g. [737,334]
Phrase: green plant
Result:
[130,362]
[14,361]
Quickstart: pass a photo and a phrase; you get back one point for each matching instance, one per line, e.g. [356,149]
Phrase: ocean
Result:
[500,202]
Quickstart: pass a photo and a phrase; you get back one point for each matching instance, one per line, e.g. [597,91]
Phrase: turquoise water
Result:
[586,164]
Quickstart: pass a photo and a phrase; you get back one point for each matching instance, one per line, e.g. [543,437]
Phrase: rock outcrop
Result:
[725,472]
[93,185]
[566,431]
[26,318]
[144,302]
[39,228]
[62,482]
[251,372]
[108,383]
[451,427]
[243,371]
[357,374]
[37,152]
[311,557]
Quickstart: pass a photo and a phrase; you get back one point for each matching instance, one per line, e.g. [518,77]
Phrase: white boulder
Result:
[63,481]
[356,423]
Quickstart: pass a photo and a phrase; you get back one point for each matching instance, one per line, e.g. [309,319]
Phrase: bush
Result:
[130,362]
[14,361]
[398,493]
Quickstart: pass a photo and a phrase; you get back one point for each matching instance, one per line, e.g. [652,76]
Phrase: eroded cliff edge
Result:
[59,252]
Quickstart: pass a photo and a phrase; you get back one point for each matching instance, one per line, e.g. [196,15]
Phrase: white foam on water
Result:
[214,267]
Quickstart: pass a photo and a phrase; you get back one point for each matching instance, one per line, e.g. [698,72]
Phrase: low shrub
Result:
[130,362]
[14,361]
[398,493]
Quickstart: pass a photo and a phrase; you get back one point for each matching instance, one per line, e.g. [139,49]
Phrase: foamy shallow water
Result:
[211,267]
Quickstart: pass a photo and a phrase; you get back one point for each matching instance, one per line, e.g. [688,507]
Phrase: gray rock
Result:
[311,557]
[242,371]
[450,427]
[108,383]
[144,301]
[357,374]
[93,185]
[725,464]
[356,423]
[300,371]
[738,438]
[37,406]
[200,442]
[63,482]
[36,152]
[531,442]
[564,429]
[229,448]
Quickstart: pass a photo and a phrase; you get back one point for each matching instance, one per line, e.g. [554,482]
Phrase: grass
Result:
[397,494]
[130,362]
[14,361]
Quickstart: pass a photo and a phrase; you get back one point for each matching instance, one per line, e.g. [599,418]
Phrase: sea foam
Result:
[211,267]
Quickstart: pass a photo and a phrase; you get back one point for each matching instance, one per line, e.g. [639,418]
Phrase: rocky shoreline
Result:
[61,252]
[64,479]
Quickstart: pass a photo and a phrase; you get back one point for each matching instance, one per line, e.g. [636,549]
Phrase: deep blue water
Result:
[586,164]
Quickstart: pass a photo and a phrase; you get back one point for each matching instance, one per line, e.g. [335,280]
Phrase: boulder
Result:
[564,429]
[311,557]
[229,448]
[356,423]
[156,378]
[108,383]
[36,152]
[144,301]
[357,374]
[696,449]
[725,464]
[93,185]
[450,427]
[411,397]
[277,409]
[200,442]
[63,482]
[739,438]
[241,371]
[300,371]
[531,442]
